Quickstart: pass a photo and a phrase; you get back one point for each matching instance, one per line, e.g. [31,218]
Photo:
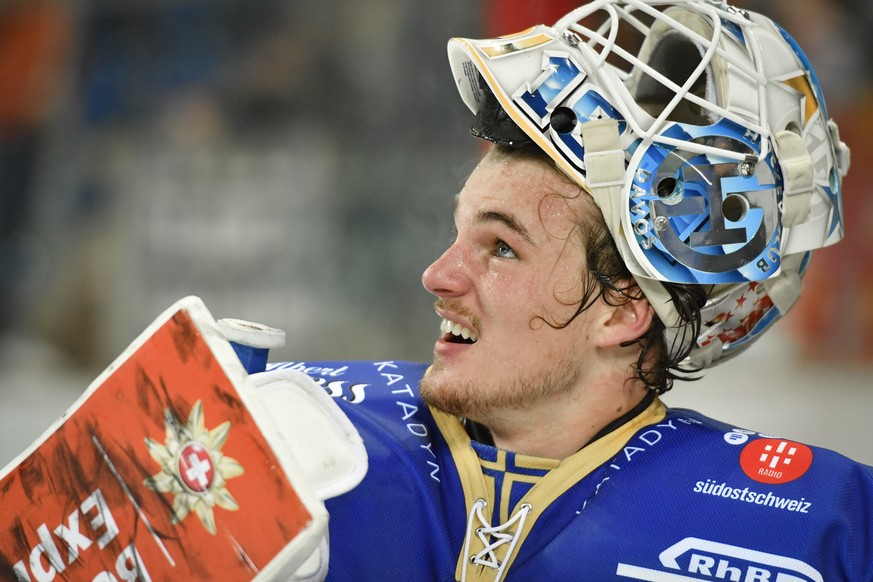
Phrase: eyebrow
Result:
[507,220]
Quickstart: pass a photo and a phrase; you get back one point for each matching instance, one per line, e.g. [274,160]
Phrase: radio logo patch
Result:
[775,461]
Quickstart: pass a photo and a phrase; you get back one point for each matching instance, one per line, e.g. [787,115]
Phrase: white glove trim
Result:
[326,444]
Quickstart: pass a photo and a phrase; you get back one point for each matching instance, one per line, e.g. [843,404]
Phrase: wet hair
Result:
[609,279]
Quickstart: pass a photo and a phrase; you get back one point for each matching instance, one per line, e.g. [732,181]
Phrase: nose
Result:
[447,276]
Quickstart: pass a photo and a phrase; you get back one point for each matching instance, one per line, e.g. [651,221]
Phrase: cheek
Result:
[511,301]
[530,289]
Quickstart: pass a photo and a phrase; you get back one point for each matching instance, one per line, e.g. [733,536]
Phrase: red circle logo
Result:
[196,467]
[775,461]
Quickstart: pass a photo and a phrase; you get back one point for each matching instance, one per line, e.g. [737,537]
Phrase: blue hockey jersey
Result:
[669,495]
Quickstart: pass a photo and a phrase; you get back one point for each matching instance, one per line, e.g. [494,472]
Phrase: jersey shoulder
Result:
[763,453]
[354,382]
[412,483]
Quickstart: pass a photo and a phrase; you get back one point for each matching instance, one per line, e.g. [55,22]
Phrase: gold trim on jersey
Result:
[510,478]
[547,489]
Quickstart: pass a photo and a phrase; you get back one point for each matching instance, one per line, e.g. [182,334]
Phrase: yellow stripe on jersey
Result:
[545,491]
[523,470]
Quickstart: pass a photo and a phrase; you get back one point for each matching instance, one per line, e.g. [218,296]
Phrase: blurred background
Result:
[294,163]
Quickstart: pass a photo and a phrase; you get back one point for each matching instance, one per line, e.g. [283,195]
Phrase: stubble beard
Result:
[483,399]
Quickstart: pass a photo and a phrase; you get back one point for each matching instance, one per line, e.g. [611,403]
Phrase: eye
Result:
[503,250]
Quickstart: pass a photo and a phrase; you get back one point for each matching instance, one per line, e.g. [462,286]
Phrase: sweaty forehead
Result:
[524,186]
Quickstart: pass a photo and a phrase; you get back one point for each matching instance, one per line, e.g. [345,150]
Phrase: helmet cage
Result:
[730,162]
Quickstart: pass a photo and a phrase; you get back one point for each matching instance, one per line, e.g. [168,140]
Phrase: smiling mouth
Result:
[456,333]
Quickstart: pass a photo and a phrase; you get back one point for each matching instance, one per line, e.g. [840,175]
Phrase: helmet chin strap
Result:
[604,180]
[798,173]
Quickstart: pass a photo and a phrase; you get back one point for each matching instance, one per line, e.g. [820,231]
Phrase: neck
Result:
[560,427]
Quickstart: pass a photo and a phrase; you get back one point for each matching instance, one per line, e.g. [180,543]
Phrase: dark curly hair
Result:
[608,278]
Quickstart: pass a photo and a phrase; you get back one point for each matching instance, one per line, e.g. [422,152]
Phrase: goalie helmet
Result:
[701,132]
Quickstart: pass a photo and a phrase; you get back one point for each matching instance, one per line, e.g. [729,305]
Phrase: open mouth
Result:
[456,333]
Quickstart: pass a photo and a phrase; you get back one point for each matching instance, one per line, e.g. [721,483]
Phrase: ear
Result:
[625,322]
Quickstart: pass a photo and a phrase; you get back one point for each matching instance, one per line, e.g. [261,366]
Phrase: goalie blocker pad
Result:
[168,467]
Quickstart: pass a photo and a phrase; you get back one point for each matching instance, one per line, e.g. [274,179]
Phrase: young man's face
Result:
[517,259]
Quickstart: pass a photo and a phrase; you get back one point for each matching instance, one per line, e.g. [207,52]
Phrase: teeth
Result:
[456,329]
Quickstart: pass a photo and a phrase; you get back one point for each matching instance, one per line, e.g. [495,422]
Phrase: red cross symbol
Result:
[195,467]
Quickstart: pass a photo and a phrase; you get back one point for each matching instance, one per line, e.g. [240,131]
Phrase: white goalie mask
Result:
[701,132]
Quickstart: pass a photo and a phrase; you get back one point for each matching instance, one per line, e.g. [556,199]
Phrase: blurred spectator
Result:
[35,38]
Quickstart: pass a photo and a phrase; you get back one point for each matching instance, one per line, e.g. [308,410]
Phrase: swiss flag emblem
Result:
[196,467]
[775,461]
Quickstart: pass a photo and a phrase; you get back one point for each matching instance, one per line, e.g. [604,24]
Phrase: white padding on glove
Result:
[314,569]
[325,443]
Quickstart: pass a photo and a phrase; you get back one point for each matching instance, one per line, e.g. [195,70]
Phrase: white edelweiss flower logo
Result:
[193,467]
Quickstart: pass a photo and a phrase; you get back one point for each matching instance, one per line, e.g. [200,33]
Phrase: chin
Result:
[441,391]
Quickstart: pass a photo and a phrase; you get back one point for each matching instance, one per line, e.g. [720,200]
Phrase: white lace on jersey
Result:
[492,538]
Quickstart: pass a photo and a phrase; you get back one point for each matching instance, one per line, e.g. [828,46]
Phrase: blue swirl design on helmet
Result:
[699,219]
[584,106]
[560,76]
